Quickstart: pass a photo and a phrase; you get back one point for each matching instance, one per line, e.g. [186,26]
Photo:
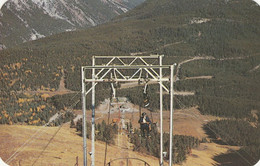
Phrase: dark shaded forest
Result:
[182,145]
[104,132]
[236,133]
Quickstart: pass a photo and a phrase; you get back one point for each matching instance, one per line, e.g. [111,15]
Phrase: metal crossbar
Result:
[127,77]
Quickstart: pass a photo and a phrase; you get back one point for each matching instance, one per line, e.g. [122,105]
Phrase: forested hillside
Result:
[214,38]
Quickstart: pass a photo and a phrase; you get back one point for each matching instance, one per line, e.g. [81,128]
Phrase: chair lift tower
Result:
[126,69]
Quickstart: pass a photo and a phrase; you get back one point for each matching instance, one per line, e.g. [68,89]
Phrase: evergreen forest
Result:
[215,44]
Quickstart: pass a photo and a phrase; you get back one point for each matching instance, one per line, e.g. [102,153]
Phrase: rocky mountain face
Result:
[25,20]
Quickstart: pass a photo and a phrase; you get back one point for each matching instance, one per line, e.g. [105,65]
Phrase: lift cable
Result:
[36,134]
[108,122]
[20,149]
[47,145]
[53,135]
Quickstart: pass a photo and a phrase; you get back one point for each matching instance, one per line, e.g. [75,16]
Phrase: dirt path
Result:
[206,58]
[161,47]
[123,144]
[62,83]
[255,68]
[198,77]
[190,60]
[134,84]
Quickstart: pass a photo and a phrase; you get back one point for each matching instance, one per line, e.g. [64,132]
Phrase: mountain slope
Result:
[226,34]
[215,43]
[22,21]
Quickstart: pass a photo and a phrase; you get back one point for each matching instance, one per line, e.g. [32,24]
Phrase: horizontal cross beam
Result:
[126,80]
[128,67]
[128,57]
